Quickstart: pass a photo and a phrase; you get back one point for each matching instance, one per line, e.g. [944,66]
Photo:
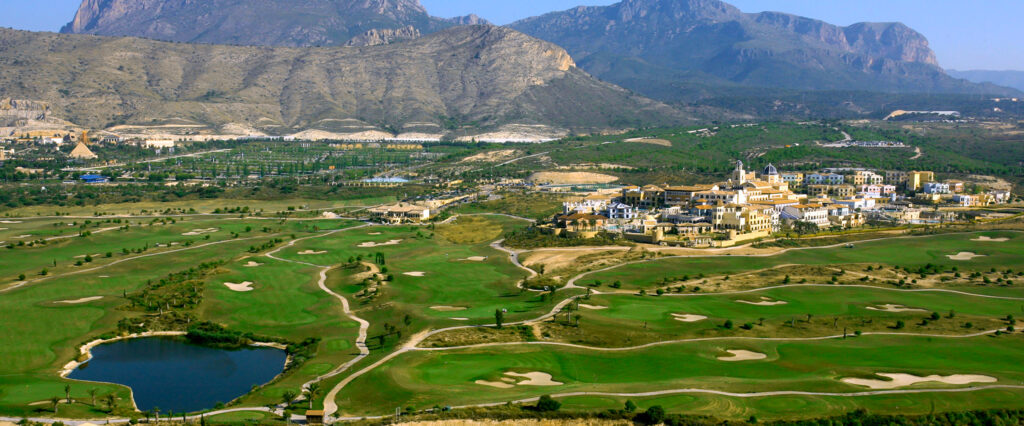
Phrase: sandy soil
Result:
[241,288]
[898,380]
[964,255]
[742,355]
[893,308]
[82,300]
[764,302]
[370,244]
[991,240]
[309,252]
[448,308]
[535,378]
[252,264]
[490,156]
[415,274]
[571,177]
[592,307]
[660,142]
[689,317]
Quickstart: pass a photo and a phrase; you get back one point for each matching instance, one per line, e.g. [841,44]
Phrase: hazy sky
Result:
[978,34]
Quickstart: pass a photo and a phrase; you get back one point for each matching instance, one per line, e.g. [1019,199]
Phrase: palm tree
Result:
[55,401]
[111,401]
[287,397]
[92,395]
[156,414]
[314,389]
[67,393]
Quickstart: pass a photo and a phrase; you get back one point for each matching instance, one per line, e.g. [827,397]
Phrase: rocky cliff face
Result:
[647,45]
[385,36]
[483,77]
[251,22]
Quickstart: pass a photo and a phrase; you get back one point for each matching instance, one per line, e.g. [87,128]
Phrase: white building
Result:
[159,143]
[858,203]
[621,211]
[813,213]
[936,188]
[824,179]
[584,207]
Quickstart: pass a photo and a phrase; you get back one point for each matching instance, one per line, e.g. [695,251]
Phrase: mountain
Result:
[459,81]
[1014,79]
[255,22]
[684,49]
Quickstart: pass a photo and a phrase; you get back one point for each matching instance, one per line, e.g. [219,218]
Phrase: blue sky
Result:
[978,34]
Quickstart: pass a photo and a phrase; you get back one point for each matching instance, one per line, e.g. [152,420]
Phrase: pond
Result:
[176,376]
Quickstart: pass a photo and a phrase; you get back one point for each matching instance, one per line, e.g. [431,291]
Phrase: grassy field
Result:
[200,206]
[912,252]
[424,379]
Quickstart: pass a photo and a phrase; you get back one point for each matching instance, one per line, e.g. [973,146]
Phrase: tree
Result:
[312,392]
[900,324]
[499,317]
[67,393]
[547,404]
[630,406]
[55,401]
[287,397]
[654,415]
[92,395]
[728,324]
[111,401]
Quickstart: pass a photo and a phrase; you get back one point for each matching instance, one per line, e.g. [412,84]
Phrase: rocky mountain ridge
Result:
[458,82]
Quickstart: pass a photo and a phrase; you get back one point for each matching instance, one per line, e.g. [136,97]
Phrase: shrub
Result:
[546,404]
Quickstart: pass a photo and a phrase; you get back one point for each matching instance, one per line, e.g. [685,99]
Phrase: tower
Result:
[85,137]
[739,175]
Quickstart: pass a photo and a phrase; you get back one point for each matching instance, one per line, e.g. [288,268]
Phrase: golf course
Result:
[375,317]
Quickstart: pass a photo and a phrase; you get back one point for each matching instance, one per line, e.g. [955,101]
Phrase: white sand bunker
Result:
[474,259]
[448,308]
[991,240]
[894,308]
[742,355]
[459,319]
[21,237]
[373,233]
[241,288]
[252,264]
[370,244]
[765,301]
[898,380]
[195,232]
[415,274]
[689,317]
[535,378]
[964,255]
[82,300]
[592,307]
[9,222]
[309,252]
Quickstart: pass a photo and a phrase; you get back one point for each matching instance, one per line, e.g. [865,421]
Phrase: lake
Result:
[177,376]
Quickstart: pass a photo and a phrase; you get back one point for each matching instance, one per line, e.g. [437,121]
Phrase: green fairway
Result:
[911,252]
[425,378]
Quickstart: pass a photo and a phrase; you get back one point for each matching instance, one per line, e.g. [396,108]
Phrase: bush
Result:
[653,416]
[546,404]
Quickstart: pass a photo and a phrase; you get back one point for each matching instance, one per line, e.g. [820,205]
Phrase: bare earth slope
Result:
[479,77]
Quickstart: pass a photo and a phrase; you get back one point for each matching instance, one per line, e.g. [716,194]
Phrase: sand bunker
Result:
[252,264]
[893,308]
[370,244]
[195,232]
[689,317]
[448,308]
[82,300]
[459,319]
[9,222]
[592,307]
[500,385]
[991,240]
[742,355]
[23,236]
[765,301]
[535,378]
[652,141]
[373,233]
[898,380]
[309,252]
[964,255]
[241,288]
[415,274]
[475,259]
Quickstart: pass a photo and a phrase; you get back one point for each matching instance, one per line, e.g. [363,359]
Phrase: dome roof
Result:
[770,170]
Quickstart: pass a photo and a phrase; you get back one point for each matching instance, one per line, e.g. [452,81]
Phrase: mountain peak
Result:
[701,10]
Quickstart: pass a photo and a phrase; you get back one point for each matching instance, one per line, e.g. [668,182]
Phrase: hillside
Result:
[682,49]
[1014,79]
[279,22]
[468,80]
